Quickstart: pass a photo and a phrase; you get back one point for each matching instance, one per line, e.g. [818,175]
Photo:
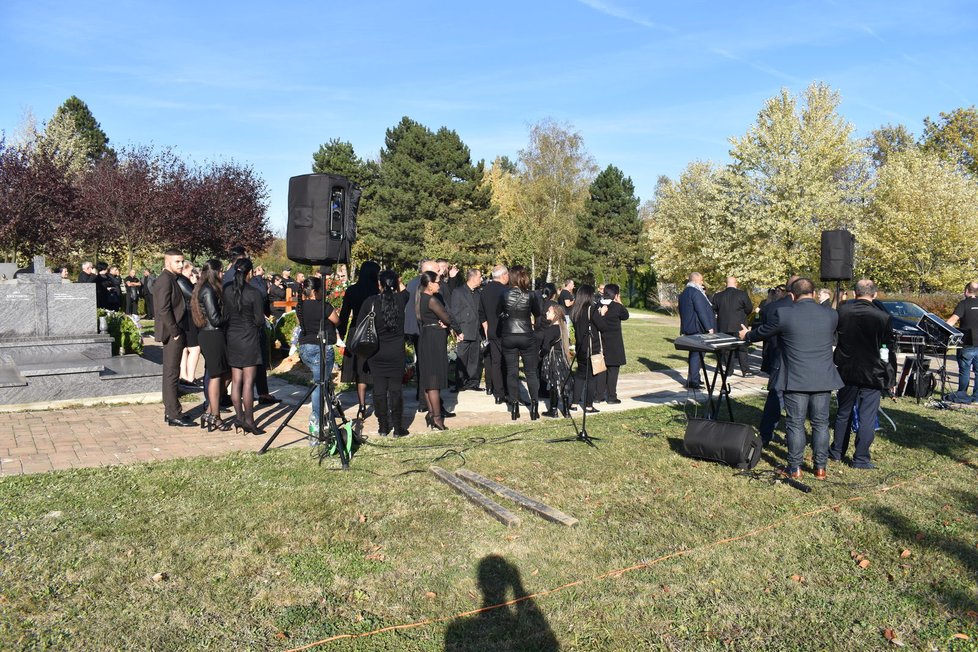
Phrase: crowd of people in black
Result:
[499,326]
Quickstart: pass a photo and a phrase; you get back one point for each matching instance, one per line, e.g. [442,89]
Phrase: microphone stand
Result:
[581,435]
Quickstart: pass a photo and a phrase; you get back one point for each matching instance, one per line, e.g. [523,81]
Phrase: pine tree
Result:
[609,228]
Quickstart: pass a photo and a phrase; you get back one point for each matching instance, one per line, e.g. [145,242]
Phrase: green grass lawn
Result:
[275,551]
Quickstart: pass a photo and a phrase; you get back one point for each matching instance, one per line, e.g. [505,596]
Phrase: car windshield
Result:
[904,309]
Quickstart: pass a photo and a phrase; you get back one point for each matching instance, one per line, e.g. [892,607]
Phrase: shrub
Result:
[125,332]
[284,327]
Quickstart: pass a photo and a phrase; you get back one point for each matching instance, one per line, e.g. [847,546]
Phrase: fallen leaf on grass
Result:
[963,637]
[695,465]
[970,612]
[798,578]
[905,554]
[375,556]
[864,563]
[431,595]
[891,636]
[535,572]
[281,636]
[161,577]
[362,518]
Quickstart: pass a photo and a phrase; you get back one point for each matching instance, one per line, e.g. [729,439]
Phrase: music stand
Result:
[327,402]
[581,435]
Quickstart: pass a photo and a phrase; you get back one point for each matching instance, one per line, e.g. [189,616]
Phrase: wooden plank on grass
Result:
[541,509]
[497,511]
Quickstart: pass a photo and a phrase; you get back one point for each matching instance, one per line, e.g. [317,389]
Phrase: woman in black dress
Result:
[355,369]
[207,314]
[612,343]
[517,305]
[387,365]
[555,356]
[191,351]
[585,318]
[433,320]
[245,316]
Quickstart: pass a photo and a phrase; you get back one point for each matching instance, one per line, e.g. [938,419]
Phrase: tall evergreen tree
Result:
[75,133]
[609,228]
[429,200]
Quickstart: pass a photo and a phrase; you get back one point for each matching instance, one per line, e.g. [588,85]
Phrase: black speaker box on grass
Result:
[838,248]
[733,444]
[322,219]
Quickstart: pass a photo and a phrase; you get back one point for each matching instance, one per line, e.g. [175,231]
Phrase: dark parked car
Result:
[905,316]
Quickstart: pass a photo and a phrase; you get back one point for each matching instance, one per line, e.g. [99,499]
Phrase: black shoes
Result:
[534,411]
[268,399]
[500,400]
[182,422]
[433,423]
[445,414]
[514,410]
[613,401]
[590,409]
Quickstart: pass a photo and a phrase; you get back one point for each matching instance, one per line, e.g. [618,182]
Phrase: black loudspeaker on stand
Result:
[322,219]
[838,249]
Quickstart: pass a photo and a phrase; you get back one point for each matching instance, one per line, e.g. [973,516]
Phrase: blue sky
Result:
[650,86]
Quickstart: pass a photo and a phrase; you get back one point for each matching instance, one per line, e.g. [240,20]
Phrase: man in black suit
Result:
[771,364]
[866,369]
[733,307]
[807,375]
[489,317]
[171,322]
[465,322]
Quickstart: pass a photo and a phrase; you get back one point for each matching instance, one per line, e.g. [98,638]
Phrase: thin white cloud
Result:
[616,11]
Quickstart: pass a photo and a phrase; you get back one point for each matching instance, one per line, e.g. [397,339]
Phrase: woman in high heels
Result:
[243,307]
[207,312]
[433,320]
[586,319]
[355,369]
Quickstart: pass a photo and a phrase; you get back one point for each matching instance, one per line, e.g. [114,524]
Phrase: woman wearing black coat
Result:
[585,318]
[433,320]
[387,365]
[355,369]
[518,306]
[612,343]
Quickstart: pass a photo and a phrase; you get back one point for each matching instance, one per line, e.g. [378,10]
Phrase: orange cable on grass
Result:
[614,573]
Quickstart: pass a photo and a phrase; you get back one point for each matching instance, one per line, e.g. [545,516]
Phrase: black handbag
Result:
[364,342]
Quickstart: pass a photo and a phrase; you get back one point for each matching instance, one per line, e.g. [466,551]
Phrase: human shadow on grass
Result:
[509,618]
[916,535]
[656,365]
[921,431]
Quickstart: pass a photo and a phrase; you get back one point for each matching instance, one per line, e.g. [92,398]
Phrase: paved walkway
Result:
[41,441]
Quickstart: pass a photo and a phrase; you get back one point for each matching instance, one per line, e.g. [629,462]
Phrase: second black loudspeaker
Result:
[838,248]
[322,219]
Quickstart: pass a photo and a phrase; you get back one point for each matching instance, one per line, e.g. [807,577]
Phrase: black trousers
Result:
[388,399]
[742,359]
[261,376]
[496,367]
[467,358]
[523,345]
[172,354]
[132,303]
[149,305]
[606,385]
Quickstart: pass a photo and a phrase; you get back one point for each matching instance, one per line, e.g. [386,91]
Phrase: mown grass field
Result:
[274,552]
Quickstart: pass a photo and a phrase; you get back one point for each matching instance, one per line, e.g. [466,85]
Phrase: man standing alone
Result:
[807,376]
[171,322]
[695,317]
[733,306]
[866,369]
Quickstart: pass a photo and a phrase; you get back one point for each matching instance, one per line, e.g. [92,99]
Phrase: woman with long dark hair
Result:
[187,281]
[207,314]
[433,320]
[309,311]
[517,307]
[585,319]
[387,365]
[355,369]
[245,316]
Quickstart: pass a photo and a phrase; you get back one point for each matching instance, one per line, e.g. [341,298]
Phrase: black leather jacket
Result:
[515,308]
[210,305]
